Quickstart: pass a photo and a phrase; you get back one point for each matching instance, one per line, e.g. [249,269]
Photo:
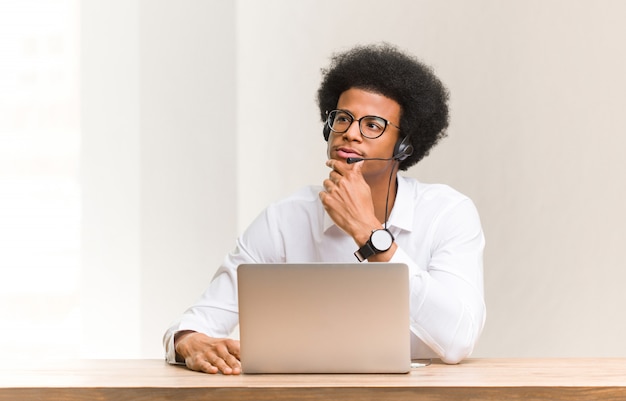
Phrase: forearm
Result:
[447,310]
[448,322]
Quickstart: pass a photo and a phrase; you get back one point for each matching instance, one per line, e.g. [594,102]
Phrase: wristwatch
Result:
[379,241]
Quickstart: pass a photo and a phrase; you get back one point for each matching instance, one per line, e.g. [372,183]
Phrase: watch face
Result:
[381,240]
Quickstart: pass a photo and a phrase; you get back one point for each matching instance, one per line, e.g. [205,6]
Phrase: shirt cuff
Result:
[170,350]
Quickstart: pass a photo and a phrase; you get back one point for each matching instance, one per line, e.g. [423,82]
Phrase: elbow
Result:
[452,351]
[457,353]
[462,346]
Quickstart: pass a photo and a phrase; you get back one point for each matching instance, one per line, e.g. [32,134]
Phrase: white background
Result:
[180,149]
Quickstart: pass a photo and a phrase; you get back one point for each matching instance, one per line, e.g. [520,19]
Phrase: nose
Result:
[353,133]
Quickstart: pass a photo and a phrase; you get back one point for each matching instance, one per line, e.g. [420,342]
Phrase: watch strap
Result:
[365,251]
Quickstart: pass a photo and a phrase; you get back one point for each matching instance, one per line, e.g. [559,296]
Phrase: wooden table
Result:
[474,379]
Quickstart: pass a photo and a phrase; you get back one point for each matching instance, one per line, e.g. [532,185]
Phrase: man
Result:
[382,111]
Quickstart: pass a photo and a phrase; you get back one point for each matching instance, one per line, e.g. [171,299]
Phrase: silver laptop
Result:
[324,318]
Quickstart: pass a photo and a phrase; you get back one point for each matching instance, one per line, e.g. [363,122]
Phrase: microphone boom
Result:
[351,160]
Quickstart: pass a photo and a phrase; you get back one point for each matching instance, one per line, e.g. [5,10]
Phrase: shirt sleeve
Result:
[446,297]
[216,313]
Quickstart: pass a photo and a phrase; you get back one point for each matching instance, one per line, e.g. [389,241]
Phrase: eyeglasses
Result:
[339,121]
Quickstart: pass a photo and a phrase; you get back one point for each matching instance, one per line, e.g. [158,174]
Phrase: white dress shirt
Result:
[439,237]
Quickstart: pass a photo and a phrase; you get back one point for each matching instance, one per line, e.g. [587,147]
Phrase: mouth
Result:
[344,153]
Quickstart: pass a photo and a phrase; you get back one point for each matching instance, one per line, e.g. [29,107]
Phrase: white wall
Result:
[537,131]
[110,179]
[158,164]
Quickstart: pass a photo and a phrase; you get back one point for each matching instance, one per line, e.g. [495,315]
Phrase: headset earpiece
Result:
[326,131]
[403,149]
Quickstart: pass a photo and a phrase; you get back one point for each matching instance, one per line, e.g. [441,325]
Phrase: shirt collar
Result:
[402,213]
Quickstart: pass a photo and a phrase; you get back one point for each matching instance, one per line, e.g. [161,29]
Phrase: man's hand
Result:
[207,354]
[347,199]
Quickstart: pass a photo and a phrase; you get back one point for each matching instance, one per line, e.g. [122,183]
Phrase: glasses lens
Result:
[372,127]
[339,121]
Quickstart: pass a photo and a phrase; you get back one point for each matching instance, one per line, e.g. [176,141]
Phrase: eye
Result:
[340,121]
[343,117]
[373,124]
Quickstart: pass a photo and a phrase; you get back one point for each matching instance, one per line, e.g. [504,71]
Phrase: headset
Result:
[403,149]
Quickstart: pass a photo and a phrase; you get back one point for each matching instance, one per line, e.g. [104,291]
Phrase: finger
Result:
[225,354]
[335,177]
[322,195]
[234,348]
[223,367]
[207,367]
[233,363]
[228,364]
[332,163]
[328,185]
[216,365]
[200,365]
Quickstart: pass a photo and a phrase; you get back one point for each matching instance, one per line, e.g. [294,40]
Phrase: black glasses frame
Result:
[353,119]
